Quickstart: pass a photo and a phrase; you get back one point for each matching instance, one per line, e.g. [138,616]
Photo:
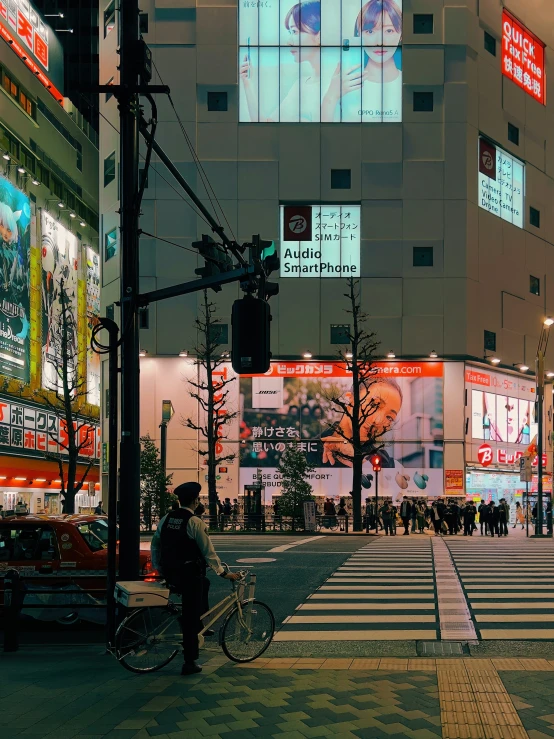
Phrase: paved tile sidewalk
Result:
[82,694]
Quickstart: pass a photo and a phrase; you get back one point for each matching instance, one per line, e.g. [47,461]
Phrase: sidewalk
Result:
[84,694]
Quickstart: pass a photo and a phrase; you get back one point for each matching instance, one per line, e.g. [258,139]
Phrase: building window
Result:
[534,285]
[144,318]
[109,95]
[219,333]
[422,256]
[217,101]
[111,246]
[143,23]
[109,18]
[109,169]
[490,44]
[534,217]
[423,23]
[513,134]
[490,341]
[423,102]
[340,333]
[341,179]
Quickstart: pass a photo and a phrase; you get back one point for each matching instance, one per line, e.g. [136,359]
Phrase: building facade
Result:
[406,144]
[49,231]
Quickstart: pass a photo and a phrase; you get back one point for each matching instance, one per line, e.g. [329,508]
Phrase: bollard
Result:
[12,601]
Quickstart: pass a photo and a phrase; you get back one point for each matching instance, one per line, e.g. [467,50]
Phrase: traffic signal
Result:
[376,462]
[266,253]
[216,258]
[250,320]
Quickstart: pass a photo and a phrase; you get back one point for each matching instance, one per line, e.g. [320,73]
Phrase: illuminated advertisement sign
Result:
[333,246]
[93,311]
[22,27]
[523,58]
[291,402]
[501,183]
[15,330]
[60,265]
[320,61]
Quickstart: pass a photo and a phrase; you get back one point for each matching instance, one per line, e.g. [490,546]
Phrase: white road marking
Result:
[284,547]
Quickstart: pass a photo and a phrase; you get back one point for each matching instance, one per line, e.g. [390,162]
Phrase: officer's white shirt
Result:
[196,530]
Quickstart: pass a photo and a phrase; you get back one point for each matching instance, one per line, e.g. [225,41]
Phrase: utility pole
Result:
[539,531]
[129,520]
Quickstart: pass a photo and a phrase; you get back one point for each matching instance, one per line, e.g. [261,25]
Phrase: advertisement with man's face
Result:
[293,401]
[15,237]
[320,60]
[60,265]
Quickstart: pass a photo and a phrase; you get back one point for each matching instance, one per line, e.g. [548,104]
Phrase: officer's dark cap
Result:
[187,492]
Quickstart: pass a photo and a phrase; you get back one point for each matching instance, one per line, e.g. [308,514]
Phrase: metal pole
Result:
[163,460]
[130,397]
[527,508]
[540,393]
[376,502]
[113,381]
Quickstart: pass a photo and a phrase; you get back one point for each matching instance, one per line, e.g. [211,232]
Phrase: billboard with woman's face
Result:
[320,61]
[15,241]
[293,402]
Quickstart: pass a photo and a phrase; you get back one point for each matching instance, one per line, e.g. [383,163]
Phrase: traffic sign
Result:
[525,469]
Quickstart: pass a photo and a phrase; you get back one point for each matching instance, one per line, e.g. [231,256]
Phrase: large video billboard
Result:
[328,61]
[15,222]
[60,265]
[292,402]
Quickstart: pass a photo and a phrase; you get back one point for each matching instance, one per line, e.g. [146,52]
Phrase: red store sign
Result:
[486,455]
[523,58]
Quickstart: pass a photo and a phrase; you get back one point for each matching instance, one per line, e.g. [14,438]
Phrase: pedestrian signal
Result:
[376,462]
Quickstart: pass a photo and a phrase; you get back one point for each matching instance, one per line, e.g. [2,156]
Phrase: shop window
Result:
[490,44]
[341,179]
[219,333]
[109,169]
[217,101]
[28,543]
[490,341]
[423,23]
[534,217]
[422,256]
[534,285]
[339,333]
[109,18]
[513,134]
[110,245]
[423,102]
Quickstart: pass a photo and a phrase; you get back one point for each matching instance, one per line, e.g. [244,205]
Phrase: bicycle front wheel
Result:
[148,639]
[247,631]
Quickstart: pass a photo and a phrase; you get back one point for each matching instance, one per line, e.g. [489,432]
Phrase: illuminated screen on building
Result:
[320,241]
[93,311]
[15,239]
[329,61]
[501,183]
[523,58]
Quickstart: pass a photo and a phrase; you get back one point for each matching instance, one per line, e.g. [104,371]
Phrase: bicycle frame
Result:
[224,606]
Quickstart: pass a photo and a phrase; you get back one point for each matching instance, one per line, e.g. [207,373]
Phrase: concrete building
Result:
[447,166]
[49,184]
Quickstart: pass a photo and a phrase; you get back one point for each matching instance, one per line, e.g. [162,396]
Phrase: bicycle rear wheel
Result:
[245,636]
[148,639]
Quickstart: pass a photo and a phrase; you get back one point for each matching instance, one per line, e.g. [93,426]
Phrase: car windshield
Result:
[95,533]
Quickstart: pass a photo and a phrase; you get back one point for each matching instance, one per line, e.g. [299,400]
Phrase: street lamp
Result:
[539,377]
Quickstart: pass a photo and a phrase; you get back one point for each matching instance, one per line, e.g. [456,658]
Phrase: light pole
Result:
[539,372]
[167,415]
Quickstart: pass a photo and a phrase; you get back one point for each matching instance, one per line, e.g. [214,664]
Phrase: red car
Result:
[58,551]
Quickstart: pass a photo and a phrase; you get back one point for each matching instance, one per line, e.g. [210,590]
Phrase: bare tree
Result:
[66,398]
[210,390]
[356,434]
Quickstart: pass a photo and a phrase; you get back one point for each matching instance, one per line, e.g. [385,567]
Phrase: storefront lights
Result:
[433,354]
[307,355]
[349,355]
[550,374]
[35,182]
[548,321]
[495,360]
[142,352]
[183,353]
[21,170]
[73,215]
[6,156]
[391,355]
[82,224]
[61,204]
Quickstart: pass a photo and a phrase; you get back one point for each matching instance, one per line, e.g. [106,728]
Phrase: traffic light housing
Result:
[266,252]
[250,321]
[216,258]
[376,462]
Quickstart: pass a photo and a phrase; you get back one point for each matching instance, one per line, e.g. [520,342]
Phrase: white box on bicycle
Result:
[137,594]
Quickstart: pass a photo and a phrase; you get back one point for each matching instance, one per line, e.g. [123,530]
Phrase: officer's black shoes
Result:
[209,632]
[190,668]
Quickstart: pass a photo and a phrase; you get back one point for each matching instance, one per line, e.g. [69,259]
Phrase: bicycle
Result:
[150,637]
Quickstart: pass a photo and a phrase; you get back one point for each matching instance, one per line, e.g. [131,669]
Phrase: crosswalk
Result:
[508,585]
[385,591]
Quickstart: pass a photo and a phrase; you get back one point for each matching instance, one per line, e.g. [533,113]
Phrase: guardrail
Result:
[271,523]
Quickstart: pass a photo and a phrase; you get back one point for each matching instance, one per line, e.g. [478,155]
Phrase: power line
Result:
[180,246]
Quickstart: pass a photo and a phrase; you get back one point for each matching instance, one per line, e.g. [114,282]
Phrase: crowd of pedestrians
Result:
[443,517]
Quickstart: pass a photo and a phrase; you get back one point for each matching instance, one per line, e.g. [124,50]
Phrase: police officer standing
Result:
[181,549]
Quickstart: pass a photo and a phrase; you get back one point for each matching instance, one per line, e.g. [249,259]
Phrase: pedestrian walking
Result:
[436,517]
[494,518]
[406,514]
[450,518]
[549,517]
[469,513]
[484,512]
[421,510]
[386,512]
[520,516]
[414,517]
[503,517]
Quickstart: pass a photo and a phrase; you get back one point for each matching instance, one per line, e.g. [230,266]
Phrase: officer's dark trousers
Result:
[194,588]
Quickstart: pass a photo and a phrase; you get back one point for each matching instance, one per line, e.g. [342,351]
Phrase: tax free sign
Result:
[523,58]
